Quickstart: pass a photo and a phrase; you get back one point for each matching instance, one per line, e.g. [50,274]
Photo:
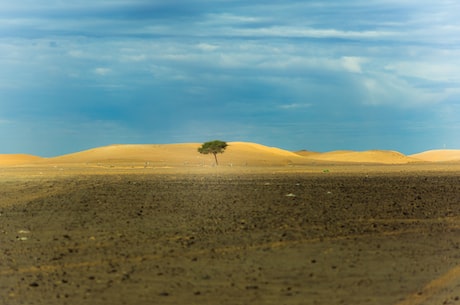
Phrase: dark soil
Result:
[231,239]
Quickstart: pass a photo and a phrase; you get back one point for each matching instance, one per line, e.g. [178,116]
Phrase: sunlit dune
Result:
[438,155]
[236,154]
[149,153]
[246,153]
[248,147]
[371,156]
[307,153]
[18,159]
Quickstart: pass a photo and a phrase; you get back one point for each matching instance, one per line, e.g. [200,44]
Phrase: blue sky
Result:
[316,75]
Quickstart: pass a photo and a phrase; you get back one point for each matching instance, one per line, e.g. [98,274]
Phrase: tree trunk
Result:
[215,157]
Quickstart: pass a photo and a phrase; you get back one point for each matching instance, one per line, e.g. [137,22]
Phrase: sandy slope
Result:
[237,154]
[371,156]
[244,153]
[439,155]
[17,159]
[307,153]
[157,153]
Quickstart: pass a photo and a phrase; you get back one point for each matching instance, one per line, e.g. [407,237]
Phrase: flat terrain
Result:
[323,234]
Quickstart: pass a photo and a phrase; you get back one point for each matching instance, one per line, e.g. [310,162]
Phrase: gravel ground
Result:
[230,238]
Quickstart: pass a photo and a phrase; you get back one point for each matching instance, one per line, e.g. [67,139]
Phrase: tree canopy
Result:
[213,147]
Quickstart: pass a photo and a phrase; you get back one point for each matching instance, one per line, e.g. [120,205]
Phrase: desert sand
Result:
[17,159]
[371,156]
[438,155]
[237,154]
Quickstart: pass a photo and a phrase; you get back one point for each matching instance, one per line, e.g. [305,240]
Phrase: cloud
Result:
[386,89]
[295,106]
[102,71]
[207,47]
[134,57]
[227,18]
[277,64]
[433,71]
[352,64]
[297,32]
[76,53]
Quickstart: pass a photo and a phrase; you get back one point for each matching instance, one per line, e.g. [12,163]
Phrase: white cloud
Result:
[207,47]
[295,62]
[288,31]
[227,18]
[295,106]
[177,57]
[352,64]
[102,71]
[385,89]
[434,71]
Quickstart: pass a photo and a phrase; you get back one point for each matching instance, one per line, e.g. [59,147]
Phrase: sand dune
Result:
[438,155]
[151,154]
[307,153]
[237,154]
[246,153]
[18,159]
[371,156]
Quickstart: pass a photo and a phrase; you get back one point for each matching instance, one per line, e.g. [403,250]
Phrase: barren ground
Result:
[372,235]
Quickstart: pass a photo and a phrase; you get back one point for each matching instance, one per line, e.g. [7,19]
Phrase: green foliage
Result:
[213,147]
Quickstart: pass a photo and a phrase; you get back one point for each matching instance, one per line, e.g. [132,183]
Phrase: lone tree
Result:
[213,147]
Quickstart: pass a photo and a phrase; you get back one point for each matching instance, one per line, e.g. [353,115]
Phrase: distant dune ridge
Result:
[370,156]
[132,153]
[439,155]
[237,154]
[17,159]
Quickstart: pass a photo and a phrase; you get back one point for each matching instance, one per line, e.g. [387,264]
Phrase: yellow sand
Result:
[17,159]
[439,155]
[236,154]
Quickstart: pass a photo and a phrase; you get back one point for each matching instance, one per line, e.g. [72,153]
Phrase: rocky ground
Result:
[229,238]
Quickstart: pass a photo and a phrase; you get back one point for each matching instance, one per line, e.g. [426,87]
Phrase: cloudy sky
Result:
[316,75]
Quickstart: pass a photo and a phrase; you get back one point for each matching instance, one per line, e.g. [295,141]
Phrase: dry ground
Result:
[336,235]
